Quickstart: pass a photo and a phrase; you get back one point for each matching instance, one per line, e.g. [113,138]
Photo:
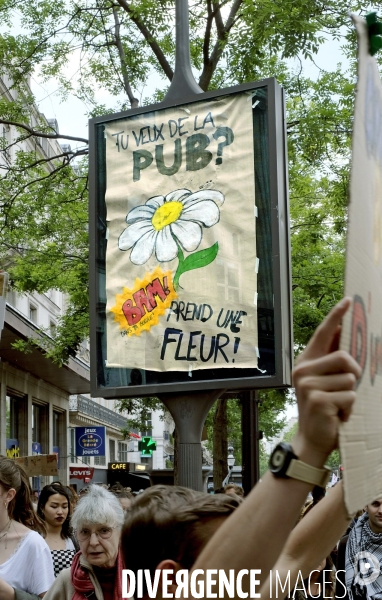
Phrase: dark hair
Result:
[46,493]
[175,520]
[12,475]
[318,493]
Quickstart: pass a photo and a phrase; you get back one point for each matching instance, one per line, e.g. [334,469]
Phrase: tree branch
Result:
[52,136]
[222,32]
[149,39]
[207,35]
[118,42]
[69,156]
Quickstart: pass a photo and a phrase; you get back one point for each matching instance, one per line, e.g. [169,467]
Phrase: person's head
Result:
[97,521]
[177,521]
[125,499]
[83,491]
[374,510]
[16,495]
[233,488]
[54,507]
[318,493]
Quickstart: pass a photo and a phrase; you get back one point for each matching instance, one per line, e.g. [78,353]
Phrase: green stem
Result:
[178,271]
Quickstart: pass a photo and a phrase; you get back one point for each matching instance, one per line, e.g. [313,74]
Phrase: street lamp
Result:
[230,462]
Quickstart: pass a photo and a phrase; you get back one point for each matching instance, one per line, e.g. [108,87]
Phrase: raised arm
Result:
[324,379]
[310,542]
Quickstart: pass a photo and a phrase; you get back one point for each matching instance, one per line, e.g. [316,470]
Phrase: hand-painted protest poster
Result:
[42,464]
[181,265]
[361,437]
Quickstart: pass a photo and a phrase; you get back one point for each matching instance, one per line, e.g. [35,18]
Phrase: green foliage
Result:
[334,460]
[263,460]
[271,408]
[139,411]
[289,435]
[234,428]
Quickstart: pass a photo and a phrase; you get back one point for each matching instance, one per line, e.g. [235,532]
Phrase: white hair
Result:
[99,506]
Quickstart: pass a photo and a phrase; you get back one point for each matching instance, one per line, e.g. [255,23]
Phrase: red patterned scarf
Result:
[82,583]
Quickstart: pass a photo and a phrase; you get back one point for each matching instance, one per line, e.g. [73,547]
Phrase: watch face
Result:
[278,458]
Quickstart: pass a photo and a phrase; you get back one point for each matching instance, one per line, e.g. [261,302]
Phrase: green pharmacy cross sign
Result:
[146,446]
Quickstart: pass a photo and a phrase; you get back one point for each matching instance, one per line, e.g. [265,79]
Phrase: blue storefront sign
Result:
[36,448]
[12,448]
[90,441]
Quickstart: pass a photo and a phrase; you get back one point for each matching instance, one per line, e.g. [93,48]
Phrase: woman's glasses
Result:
[84,533]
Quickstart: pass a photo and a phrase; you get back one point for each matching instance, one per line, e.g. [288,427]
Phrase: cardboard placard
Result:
[361,436]
[40,464]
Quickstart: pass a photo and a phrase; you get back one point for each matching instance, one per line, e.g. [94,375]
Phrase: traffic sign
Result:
[146,446]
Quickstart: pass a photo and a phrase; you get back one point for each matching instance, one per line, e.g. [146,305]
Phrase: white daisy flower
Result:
[164,219]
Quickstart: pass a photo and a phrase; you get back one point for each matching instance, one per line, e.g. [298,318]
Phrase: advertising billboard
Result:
[190,275]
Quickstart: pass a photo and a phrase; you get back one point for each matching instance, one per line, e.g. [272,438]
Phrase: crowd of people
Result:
[75,548]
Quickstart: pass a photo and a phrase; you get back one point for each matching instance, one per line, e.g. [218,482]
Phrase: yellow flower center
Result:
[166,214]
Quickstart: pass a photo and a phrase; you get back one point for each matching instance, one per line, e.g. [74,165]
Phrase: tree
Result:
[224,428]
[117,45]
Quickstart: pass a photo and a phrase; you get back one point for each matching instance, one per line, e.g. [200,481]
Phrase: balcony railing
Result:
[96,411]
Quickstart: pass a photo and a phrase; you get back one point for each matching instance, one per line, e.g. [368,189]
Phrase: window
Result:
[100,461]
[112,450]
[52,328]
[85,460]
[229,283]
[72,445]
[33,313]
[5,141]
[36,423]
[56,422]
[148,425]
[122,452]
[11,418]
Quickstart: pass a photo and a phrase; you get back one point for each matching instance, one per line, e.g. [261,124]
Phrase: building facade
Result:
[40,402]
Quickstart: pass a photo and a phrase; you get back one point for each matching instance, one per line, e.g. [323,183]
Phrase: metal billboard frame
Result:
[281,262]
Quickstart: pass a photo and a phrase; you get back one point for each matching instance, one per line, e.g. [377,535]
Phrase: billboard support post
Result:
[183,81]
[189,412]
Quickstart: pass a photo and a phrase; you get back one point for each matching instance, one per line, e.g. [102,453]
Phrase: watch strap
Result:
[304,472]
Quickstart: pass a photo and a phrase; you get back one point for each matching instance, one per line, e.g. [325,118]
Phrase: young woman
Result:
[54,508]
[25,560]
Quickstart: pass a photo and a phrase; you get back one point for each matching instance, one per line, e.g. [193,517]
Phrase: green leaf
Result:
[199,259]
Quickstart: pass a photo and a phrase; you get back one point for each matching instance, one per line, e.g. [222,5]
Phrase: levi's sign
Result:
[81,472]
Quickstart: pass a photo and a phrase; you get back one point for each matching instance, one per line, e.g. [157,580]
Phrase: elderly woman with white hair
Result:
[96,571]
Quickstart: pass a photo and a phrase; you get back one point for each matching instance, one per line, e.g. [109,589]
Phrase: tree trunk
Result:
[220,443]
[176,455]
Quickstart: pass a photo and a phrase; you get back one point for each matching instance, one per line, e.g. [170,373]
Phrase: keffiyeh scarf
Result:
[363,574]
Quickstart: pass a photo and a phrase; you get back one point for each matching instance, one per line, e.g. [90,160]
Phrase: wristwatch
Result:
[283,462]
